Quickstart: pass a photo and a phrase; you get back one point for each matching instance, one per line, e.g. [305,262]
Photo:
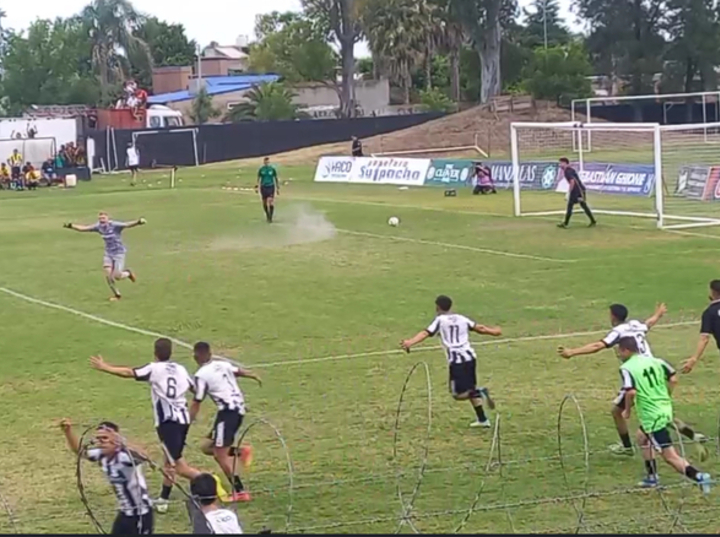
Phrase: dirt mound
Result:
[475,126]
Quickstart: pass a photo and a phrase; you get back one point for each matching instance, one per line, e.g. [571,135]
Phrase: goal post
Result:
[669,173]
[167,147]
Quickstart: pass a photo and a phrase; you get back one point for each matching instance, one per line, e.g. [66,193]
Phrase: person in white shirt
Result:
[212,518]
[622,327]
[169,383]
[218,379]
[454,332]
[133,161]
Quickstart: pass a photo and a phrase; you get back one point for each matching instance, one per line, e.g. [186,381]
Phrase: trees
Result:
[202,109]
[111,27]
[543,21]
[167,44]
[342,18]
[559,73]
[482,20]
[268,102]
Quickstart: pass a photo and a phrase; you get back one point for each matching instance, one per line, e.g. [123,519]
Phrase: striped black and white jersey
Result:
[223,521]
[169,382]
[217,380]
[127,480]
[454,333]
[635,329]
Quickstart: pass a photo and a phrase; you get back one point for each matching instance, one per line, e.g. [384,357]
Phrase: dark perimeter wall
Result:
[217,143]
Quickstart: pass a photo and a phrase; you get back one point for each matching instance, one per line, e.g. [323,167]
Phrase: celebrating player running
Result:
[454,330]
[637,330]
[169,382]
[648,383]
[114,259]
[218,380]
[122,468]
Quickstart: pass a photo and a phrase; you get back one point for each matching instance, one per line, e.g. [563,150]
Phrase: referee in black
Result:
[576,194]
[709,326]
[357,147]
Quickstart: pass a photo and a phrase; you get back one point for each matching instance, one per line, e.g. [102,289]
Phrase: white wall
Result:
[63,130]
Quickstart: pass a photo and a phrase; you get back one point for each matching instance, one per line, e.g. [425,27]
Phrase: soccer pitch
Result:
[317,304]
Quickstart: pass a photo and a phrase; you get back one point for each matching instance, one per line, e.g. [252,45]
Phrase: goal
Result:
[663,108]
[167,148]
[670,173]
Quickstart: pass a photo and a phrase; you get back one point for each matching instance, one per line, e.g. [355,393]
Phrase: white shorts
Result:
[117,262]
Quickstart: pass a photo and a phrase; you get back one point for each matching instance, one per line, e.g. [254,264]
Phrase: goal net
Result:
[167,148]
[33,150]
[642,170]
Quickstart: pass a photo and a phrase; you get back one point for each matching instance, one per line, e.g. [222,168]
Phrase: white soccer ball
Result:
[394,221]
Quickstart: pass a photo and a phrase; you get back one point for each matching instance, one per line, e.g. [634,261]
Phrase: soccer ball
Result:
[394,221]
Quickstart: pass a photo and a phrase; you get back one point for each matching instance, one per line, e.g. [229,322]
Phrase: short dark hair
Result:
[109,425]
[715,286]
[204,489]
[443,302]
[564,160]
[202,346]
[619,311]
[628,343]
[163,349]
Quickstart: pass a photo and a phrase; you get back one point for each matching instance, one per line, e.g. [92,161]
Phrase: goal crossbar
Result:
[649,152]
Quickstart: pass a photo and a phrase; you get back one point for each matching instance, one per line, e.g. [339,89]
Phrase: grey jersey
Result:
[111,233]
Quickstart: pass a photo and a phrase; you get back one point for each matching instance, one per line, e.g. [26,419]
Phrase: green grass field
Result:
[317,304]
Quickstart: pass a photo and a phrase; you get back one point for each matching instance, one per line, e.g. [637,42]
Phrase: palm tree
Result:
[450,38]
[398,33]
[266,102]
[110,25]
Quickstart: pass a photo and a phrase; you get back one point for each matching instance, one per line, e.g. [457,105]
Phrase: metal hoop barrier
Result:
[407,507]
[579,509]
[10,514]
[288,459]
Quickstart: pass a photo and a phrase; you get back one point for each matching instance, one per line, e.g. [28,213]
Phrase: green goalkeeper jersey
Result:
[649,376]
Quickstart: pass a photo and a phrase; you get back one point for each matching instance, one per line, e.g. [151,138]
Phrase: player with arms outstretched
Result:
[169,382]
[269,187]
[122,467]
[637,330]
[454,332]
[218,379]
[648,383]
[115,251]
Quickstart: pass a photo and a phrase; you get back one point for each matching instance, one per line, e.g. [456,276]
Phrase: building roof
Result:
[215,85]
[229,52]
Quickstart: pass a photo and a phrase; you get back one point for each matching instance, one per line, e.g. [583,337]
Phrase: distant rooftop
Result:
[215,85]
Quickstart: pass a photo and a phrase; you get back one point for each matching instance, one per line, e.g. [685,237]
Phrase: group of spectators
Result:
[134,98]
[18,174]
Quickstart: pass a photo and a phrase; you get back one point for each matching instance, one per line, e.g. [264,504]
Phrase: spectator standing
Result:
[133,161]
[357,147]
[60,159]
[15,162]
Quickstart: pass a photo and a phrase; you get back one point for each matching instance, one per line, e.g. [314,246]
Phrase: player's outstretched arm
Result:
[134,223]
[590,348]
[71,438]
[660,310]
[97,362]
[488,330]
[78,227]
[418,338]
[690,363]
[246,373]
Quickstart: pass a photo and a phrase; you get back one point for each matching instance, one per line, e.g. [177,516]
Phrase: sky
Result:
[210,20]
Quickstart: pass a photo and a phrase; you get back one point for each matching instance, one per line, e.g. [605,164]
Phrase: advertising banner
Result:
[699,183]
[625,179]
[533,175]
[444,172]
[368,170]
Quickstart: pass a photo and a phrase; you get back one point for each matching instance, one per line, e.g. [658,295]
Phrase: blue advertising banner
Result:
[626,179]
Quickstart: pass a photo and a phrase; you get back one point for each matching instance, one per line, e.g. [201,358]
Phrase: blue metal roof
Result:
[215,85]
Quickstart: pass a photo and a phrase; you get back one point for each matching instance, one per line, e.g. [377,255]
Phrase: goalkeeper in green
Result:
[648,383]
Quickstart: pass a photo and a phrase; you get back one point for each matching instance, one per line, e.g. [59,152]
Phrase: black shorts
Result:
[462,377]
[227,424]
[659,439]
[267,192]
[173,434]
[576,197]
[133,525]
[133,168]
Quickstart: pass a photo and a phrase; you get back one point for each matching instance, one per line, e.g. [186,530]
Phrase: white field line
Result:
[692,234]
[187,345]
[457,246]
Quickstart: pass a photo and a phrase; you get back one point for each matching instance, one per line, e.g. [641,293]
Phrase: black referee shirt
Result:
[571,174]
[711,321]
[357,149]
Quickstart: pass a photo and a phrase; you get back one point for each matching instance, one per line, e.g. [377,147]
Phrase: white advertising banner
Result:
[368,170]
